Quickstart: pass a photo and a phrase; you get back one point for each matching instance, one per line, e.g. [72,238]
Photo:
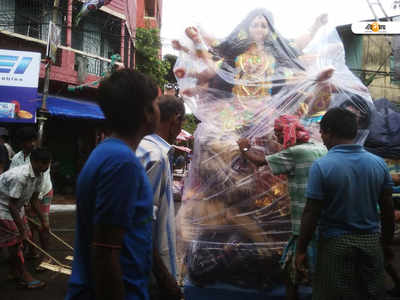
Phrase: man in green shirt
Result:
[294,161]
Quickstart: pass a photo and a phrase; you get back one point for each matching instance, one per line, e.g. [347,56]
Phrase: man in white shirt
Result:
[18,187]
[156,153]
[28,140]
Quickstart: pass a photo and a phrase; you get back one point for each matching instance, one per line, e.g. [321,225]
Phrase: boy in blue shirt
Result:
[113,242]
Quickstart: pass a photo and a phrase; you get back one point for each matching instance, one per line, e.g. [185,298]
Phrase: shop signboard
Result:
[19,78]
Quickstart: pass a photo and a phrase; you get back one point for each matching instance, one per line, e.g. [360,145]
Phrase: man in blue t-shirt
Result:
[345,189]
[113,242]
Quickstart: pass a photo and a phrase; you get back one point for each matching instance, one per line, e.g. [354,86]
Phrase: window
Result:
[7,15]
[31,17]
[149,8]
[98,34]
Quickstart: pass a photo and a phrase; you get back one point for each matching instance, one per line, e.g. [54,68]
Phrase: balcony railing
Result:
[89,65]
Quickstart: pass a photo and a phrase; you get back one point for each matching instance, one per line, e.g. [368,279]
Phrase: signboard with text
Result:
[19,78]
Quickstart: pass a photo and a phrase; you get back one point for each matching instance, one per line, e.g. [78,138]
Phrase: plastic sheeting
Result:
[235,217]
[183,148]
[184,136]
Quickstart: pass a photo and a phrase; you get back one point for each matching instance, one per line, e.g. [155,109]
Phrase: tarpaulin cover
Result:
[384,137]
[235,217]
[69,108]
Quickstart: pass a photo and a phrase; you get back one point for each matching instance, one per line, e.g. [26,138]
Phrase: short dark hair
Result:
[26,134]
[359,104]
[41,154]
[124,97]
[340,122]
[170,106]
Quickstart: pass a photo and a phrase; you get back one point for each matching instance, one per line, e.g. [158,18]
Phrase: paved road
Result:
[63,225]
[56,283]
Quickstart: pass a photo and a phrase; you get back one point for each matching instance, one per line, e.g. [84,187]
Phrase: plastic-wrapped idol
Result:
[235,220]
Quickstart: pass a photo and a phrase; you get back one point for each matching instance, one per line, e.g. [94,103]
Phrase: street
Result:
[62,224]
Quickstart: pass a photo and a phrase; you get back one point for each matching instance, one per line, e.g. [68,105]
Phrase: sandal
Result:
[34,284]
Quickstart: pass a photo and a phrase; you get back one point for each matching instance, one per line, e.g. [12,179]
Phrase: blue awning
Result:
[71,108]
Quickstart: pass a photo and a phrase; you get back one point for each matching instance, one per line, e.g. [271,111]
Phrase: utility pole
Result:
[43,113]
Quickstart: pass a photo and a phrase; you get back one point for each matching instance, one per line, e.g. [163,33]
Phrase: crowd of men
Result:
[125,207]
[125,241]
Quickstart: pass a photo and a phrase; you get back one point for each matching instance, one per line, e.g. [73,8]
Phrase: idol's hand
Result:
[176,45]
[190,92]
[243,144]
[180,72]
[325,74]
[193,34]
[321,21]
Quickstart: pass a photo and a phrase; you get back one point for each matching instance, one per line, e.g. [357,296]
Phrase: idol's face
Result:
[258,29]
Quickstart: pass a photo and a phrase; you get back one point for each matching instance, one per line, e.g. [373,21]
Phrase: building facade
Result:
[149,13]
[86,49]
[373,59]
[86,53]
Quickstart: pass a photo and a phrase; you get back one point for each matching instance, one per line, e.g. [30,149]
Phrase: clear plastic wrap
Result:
[235,217]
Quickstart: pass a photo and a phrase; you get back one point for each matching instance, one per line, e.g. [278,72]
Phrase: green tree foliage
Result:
[170,77]
[148,60]
[190,123]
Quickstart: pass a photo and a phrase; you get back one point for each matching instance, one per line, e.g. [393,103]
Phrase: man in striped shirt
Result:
[155,152]
[294,161]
